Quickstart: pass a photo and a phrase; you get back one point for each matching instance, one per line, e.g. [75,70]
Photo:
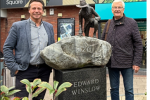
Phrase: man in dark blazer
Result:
[126,57]
[27,38]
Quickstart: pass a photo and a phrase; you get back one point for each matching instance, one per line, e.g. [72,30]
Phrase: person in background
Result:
[27,38]
[126,57]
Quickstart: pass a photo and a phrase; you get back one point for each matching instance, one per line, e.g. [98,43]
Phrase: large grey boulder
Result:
[77,52]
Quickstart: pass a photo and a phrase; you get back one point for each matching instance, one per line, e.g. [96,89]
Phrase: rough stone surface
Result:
[87,83]
[77,52]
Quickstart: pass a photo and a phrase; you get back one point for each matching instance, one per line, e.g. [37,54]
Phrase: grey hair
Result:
[119,1]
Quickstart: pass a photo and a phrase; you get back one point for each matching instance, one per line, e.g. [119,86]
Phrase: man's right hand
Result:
[16,72]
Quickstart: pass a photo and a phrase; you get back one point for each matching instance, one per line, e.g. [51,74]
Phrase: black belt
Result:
[37,65]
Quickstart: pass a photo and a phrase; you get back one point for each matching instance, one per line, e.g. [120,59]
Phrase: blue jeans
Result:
[114,76]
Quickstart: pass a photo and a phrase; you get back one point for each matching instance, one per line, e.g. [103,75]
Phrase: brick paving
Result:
[140,88]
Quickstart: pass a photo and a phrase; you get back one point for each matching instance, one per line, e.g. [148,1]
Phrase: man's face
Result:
[36,10]
[117,10]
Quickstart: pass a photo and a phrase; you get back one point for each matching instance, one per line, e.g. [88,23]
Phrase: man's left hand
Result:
[136,68]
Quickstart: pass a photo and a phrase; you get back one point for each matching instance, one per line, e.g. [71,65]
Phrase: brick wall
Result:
[15,15]
[3,32]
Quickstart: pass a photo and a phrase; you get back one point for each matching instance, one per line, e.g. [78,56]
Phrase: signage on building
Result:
[24,3]
[13,3]
[142,25]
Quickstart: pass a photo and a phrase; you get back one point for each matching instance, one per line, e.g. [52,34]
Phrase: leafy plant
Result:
[5,92]
[57,90]
[30,86]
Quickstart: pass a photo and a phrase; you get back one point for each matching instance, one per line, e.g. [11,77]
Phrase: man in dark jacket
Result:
[124,36]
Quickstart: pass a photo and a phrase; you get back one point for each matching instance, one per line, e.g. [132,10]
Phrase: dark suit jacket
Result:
[19,39]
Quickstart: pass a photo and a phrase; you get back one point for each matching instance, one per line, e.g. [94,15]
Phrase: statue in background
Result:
[87,13]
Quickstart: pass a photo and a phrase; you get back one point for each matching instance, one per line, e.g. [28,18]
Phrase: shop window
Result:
[65,27]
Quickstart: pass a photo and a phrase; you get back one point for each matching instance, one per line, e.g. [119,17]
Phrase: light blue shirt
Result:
[39,40]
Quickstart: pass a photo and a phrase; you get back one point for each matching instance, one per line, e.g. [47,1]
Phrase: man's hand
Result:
[136,68]
[16,72]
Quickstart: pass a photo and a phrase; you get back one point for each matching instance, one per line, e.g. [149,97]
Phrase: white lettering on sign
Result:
[81,89]
[88,82]
[85,90]
[12,2]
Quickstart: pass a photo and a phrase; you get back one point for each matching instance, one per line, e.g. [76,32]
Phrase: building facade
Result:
[65,13]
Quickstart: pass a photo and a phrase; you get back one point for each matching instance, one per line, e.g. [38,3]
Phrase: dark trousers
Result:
[33,72]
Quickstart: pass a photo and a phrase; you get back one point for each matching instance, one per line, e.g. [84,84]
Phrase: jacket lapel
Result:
[28,29]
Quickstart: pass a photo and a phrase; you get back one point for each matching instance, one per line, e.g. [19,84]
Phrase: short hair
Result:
[41,1]
[119,1]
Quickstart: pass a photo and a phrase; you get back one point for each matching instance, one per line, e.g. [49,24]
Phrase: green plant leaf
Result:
[11,88]
[25,98]
[38,91]
[36,82]
[5,98]
[16,98]
[60,91]
[62,88]
[48,86]
[12,92]
[4,89]
[25,81]
[29,90]
[28,85]
[55,84]
[65,85]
